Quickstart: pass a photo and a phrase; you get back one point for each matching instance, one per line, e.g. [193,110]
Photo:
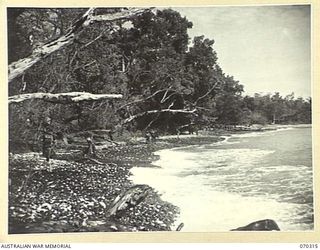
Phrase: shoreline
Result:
[89,203]
[170,175]
[42,201]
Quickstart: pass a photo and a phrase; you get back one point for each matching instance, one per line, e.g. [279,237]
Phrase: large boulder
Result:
[261,225]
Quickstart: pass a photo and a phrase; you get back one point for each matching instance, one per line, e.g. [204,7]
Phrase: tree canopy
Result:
[145,55]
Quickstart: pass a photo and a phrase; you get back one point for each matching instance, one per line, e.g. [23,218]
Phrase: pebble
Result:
[81,186]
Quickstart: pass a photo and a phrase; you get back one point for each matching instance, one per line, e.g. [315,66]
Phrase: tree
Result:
[229,102]
[49,72]
[19,67]
[273,108]
[153,54]
[142,55]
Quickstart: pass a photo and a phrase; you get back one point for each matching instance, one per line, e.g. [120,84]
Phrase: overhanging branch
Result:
[147,98]
[174,111]
[63,98]
[206,94]
[20,66]
[17,68]
[124,14]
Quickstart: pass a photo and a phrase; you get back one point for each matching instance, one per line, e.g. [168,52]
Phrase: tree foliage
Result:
[166,80]
[273,108]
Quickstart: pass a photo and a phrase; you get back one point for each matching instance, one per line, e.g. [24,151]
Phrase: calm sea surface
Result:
[244,178]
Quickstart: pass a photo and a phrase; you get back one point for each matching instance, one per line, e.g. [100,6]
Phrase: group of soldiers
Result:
[49,141]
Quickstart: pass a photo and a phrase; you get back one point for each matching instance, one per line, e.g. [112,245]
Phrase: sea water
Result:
[246,177]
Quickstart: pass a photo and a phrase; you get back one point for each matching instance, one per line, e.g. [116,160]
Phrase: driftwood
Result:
[63,98]
[94,161]
[130,198]
[181,225]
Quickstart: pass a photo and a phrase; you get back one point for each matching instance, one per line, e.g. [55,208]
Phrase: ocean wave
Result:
[206,210]
[219,188]
[264,132]
[289,168]
[181,160]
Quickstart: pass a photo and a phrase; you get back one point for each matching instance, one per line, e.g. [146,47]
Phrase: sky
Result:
[265,48]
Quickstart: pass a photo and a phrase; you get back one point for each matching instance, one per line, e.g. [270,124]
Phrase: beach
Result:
[244,178]
[75,195]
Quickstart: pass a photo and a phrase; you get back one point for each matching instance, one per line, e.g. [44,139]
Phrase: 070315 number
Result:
[306,245]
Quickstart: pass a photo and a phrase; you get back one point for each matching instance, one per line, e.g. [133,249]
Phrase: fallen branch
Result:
[128,199]
[63,98]
[94,161]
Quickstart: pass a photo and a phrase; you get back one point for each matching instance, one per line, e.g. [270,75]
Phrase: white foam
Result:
[206,210]
[218,189]
[262,133]
[178,160]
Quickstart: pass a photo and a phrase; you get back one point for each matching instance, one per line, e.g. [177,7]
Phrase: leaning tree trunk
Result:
[19,67]
[63,98]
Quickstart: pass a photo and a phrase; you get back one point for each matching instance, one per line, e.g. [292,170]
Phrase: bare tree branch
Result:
[153,120]
[149,97]
[95,39]
[174,111]
[165,97]
[168,97]
[125,14]
[17,68]
[171,105]
[63,98]
[142,100]
[206,94]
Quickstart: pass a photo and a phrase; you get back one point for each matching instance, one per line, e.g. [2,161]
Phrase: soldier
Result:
[48,139]
[147,136]
[91,150]
[153,135]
